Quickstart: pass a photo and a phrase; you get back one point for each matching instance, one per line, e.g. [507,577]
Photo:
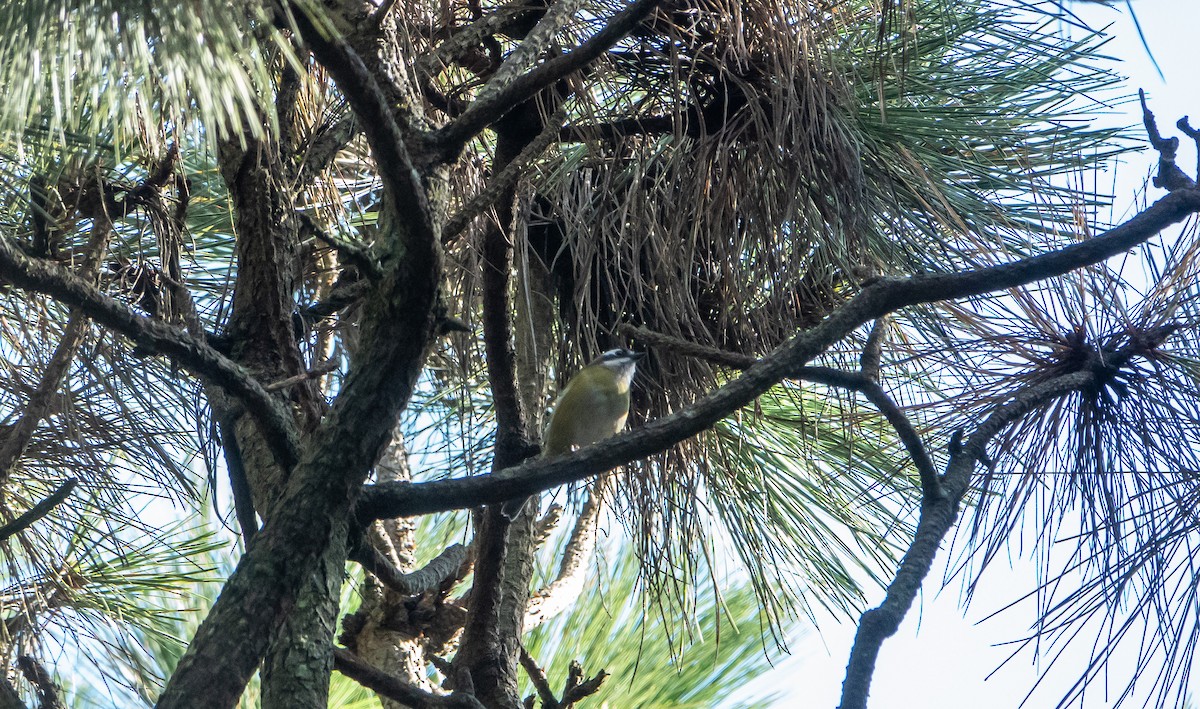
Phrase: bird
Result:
[592,407]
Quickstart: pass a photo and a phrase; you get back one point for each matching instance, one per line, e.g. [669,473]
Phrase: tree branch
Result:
[21,433]
[428,578]
[504,180]
[538,677]
[879,298]
[358,255]
[324,145]
[298,557]
[9,699]
[378,122]
[1170,176]
[931,486]
[864,383]
[488,108]
[154,336]
[47,690]
[40,510]
[938,516]
[537,41]
[348,664]
[562,592]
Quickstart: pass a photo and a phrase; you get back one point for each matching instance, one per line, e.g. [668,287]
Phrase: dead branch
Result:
[564,590]
[1170,176]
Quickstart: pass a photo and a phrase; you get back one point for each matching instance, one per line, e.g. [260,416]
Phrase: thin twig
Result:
[577,688]
[863,383]
[931,486]
[1186,128]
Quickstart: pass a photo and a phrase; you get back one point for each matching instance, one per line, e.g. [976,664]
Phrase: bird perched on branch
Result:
[592,407]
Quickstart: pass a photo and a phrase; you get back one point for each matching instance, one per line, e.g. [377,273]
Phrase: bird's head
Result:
[621,362]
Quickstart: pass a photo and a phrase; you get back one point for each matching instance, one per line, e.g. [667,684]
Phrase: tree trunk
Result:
[296,671]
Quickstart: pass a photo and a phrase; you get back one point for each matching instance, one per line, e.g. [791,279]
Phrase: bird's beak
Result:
[638,355]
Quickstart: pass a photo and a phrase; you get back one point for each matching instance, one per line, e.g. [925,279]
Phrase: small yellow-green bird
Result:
[592,407]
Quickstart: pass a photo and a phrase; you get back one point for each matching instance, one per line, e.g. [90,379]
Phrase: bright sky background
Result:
[942,656]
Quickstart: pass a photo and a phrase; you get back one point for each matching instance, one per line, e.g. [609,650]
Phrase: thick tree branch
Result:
[488,108]
[466,38]
[345,662]
[537,41]
[872,353]
[879,298]
[154,336]
[486,652]
[299,555]
[378,121]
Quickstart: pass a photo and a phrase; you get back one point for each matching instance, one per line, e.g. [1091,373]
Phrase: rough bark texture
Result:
[489,653]
[296,672]
[260,326]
